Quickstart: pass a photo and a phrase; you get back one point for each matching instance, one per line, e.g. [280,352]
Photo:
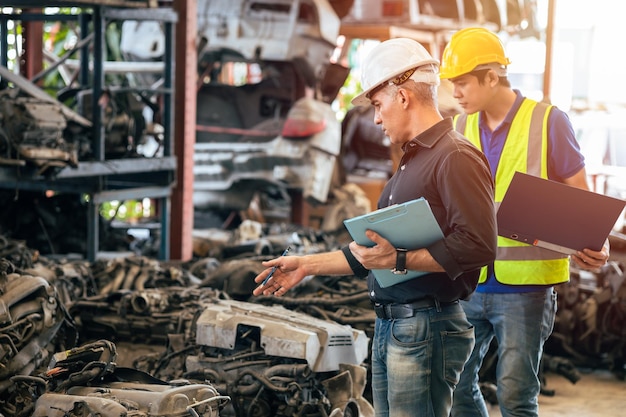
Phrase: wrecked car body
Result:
[303,155]
[264,123]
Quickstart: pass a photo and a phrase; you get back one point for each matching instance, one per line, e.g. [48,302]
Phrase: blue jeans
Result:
[521,323]
[417,361]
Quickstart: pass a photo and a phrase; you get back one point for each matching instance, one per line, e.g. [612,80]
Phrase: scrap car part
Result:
[136,399]
[274,30]
[322,345]
[277,362]
[85,381]
[590,325]
[269,360]
[30,318]
[34,131]
[303,156]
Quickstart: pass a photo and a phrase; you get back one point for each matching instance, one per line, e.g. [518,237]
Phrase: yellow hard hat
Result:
[469,49]
[395,61]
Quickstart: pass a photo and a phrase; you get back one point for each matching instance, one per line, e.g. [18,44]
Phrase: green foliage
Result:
[128,211]
[347,92]
[60,36]
[352,85]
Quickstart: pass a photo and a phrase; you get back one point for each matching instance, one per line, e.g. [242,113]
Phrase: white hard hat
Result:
[395,61]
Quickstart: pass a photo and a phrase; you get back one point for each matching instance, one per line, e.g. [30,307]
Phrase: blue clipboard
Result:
[409,225]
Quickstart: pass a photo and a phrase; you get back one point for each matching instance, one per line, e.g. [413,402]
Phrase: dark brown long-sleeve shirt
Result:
[447,170]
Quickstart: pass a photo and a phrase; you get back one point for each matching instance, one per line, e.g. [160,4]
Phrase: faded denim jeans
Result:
[417,361]
[521,323]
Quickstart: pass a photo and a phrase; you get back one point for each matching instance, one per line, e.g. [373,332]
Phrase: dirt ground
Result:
[598,393]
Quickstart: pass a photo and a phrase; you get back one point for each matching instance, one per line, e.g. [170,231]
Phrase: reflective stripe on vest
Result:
[525,150]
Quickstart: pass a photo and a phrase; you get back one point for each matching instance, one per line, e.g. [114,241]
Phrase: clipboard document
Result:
[409,225]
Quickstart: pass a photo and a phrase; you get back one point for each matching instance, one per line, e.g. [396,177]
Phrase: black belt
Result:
[404,311]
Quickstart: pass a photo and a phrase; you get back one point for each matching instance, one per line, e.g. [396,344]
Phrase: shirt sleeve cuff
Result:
[440,253]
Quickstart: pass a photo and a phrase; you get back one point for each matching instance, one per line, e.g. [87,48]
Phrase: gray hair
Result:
[425,93]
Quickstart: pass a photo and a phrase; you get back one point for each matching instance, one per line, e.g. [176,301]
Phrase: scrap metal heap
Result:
[208,353]
[37,129]
[74,331]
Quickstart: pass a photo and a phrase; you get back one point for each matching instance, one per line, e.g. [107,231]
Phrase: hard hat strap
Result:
[401,79]
[499,69]
[425,77]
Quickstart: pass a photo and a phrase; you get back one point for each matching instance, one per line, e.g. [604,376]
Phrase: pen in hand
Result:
[267,278]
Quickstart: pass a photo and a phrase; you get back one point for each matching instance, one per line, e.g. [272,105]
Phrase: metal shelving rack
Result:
[107,179]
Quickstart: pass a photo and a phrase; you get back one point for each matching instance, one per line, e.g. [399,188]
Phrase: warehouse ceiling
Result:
[509,15]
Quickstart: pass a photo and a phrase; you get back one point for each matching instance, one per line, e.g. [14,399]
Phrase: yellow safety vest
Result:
[525,150]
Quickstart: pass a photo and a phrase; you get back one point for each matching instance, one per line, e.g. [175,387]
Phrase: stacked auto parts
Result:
[590,327]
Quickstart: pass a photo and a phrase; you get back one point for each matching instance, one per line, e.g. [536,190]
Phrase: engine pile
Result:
[190,349]
[136,336]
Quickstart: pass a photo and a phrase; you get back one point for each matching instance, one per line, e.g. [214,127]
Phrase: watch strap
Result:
[400,268]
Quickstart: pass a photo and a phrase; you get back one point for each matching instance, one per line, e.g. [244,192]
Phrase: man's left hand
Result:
[590,259]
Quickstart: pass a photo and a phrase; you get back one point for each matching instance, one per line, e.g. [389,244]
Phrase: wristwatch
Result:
[400,268]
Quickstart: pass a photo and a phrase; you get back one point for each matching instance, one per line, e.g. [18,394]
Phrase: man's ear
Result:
[403,96]
[493,77]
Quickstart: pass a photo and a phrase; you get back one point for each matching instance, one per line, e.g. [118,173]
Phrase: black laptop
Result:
[556,216]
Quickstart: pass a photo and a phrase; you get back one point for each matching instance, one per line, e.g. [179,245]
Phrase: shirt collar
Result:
[429,137]
[508,119]
[516,105]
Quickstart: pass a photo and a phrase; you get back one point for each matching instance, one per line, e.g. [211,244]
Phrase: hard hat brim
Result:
[361,99]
